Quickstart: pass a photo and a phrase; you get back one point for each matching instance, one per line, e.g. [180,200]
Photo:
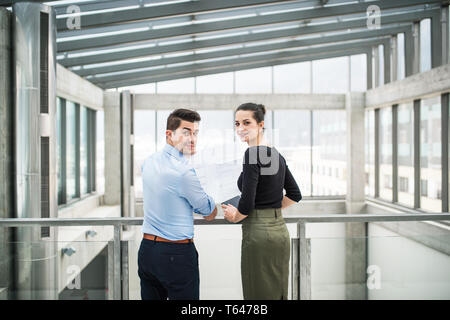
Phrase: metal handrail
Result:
[301,280]
[289,218]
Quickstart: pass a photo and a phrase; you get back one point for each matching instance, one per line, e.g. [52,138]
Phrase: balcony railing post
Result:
[110,270]
[304,255]
[295,278]
[125,277]
[117,263]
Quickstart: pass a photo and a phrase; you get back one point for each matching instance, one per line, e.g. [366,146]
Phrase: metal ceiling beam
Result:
[8,3]
[279,56]
[102,5]
[202,17]
[167,10]
[261,36]
[196,29]
[253,65]
[245,50]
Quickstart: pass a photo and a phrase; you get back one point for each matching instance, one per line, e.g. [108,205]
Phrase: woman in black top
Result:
[265,238]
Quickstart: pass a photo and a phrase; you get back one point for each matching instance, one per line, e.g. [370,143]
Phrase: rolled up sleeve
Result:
[191,189]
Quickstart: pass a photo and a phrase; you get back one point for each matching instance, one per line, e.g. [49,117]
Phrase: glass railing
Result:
[336,256]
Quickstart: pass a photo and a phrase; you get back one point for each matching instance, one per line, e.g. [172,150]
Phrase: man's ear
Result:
[169,134]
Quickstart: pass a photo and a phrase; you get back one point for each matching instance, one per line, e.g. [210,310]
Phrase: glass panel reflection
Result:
[430,154]
[386,153]
[406,154]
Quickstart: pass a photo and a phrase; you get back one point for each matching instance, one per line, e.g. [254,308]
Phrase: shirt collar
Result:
[174,152]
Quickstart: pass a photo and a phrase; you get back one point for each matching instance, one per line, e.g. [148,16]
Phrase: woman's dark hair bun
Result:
[259,110]
[263,109]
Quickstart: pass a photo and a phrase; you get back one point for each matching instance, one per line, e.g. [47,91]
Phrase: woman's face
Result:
[246,126]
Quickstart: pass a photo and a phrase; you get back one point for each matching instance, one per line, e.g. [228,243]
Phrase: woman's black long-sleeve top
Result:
[264,176]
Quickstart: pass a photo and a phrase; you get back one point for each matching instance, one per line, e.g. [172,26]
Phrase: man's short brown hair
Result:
[174,119]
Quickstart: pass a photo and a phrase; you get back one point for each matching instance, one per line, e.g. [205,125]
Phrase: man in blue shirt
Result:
[167,258]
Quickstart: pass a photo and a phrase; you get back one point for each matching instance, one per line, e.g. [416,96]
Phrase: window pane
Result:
[254,80]
[84,150]
[292,78]
[71,149]
[100,153]
[400,56]
[186,85]
[216,136]
[292,138]
[144,144]
[140,88]
[215,83]
[386,153]
[330,75]
[161,117]
[425,45]
[381,65]
[406,154]
[59,148]
[329,153]
[370,153]
[358,72]
[430,154]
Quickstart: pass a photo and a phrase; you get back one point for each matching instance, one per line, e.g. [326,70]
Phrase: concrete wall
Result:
[74,88]
[420,85]
[232,101]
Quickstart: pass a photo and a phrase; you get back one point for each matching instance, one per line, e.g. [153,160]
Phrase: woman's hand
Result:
[232,214]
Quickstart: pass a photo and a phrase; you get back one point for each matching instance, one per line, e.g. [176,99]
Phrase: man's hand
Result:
[212,216]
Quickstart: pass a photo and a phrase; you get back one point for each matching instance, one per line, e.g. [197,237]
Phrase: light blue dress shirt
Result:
[172,192]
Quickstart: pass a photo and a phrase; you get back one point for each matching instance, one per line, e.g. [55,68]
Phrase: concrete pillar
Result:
[34,69]
[355,241]
[387,61]
[355,147]
[416,48]
[436,40]
[445,34]
[369,70]
[126,115]
[112,147]
[375,67]
[6,154]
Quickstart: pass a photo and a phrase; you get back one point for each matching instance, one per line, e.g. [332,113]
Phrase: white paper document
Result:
[220,180]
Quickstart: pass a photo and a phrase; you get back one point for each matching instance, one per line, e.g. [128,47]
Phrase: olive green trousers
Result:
[265,255]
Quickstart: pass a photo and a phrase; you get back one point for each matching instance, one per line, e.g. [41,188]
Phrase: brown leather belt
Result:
[159,239]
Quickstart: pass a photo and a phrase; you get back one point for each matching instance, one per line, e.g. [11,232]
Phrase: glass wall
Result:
[59,138]
[84,156]
[381,65]
[400,56]
[329,158]
[75,147]
[370,153]
[71,150]
[430,154]
[254,80]
[292,78]
[330,75]
[215,83]
[385,153]
[358,75]
[100,153]
[406,154]
[425,45]
[292,136]
[144,144]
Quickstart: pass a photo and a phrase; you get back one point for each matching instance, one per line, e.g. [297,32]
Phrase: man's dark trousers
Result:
[168,270]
